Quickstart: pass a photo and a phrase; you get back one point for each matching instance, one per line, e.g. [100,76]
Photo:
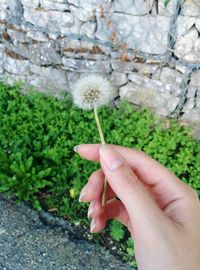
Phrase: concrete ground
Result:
[33,241]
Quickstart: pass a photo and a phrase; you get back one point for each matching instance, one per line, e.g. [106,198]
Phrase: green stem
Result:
[102,142]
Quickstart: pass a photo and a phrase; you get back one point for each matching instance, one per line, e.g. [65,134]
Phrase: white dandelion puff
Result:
[93,91]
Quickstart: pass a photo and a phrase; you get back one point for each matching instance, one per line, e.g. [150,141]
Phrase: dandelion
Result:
[89,93]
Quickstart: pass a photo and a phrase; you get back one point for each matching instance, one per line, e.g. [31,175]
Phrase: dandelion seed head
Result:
[93,90]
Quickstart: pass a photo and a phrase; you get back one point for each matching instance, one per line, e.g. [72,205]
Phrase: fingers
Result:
[161,180]
[94,188]
[113,210]
[140,206]
[146,168]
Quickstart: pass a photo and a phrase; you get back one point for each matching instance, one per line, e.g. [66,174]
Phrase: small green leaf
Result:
[117,230]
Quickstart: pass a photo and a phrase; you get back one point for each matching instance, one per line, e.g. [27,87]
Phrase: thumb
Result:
[142,209]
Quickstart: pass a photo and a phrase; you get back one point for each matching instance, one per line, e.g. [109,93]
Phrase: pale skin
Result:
[161,212]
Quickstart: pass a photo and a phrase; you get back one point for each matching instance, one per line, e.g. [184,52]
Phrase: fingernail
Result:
[76,148]
[110,157]
[93,225]
[91,209]
[83,194]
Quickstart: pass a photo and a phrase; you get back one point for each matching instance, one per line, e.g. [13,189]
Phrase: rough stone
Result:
[17,35]
[148,34]
[181,68]
[191,8]
[168,10]
[16,66]
[172,80]
[36,35]
[161,102]
[133,7]
[15,11]
[198,98]
[51,21]
[184,47]
[44,54]
[87,55]
[191,91]
[72,78]
[183,24]
[31,3]
[102,66]
[195,79]
[190,103]
[54,5]
[118,78]
[146,69]
[172,86]
[119,66]
[3,12]
[50,75]
[83,14]
[88,29]
[198,24]
[192,116]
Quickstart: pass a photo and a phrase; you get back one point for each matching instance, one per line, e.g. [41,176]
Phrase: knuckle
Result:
[129,178]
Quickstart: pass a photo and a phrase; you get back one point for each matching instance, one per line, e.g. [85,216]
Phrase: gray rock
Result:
[15,11]
[118,78]
[36,35]
[11,79]
[18,35]
[88,29]
[184,47]
[181,68]
[51,21]
[136,7]
[54,5]
[191,92]
[30,3]
[161,102]
[119,66]
[191,8]
[162,85]
[195,79]
[146,69]
[148,34]
[190,103]
[72,78]
[192,116]
[197,103]
[16,66]
[184,23]
[2,26]
[3,10]
[83,14]
[71,64]
[168,10]
[48,78]
[198,24]
[172,80]
[44,54]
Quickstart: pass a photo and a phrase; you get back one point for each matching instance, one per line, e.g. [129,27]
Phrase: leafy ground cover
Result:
[38,164]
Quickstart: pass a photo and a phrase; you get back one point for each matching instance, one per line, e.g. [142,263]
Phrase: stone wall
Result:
[152,54]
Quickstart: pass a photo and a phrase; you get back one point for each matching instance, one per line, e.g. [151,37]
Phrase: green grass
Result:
[38,164]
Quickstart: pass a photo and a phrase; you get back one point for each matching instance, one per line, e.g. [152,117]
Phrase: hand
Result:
[161,212]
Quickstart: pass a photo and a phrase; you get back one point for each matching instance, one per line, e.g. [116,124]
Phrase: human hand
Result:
[161,212]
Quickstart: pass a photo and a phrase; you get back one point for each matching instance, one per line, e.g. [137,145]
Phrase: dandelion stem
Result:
[99,126]
[102,142]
